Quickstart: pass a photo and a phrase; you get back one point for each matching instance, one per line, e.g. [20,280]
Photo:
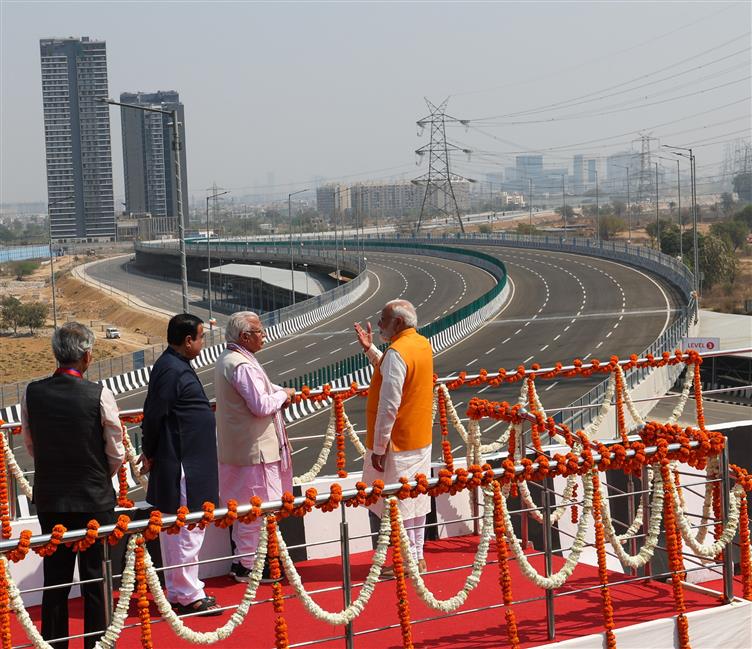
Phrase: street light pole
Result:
[52,265]
[292,261]
[657,216]
[597,210]
[337,192]
[679,218]
[693,187]
[176,146]
[208,254]
[530,200]
[564,205]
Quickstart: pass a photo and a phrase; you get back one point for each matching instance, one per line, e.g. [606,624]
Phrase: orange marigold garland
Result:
[600,544]
[505,578]
[675,560]
[746,562]
[446,447]
[403,606]
[717,515]
[56,538]
[22,549]
[92,529]
[5,608]
[123,500]
[281,639]
[121,528]
[575,509]
[619,391]
[140,594]
[339,430]
[7,529]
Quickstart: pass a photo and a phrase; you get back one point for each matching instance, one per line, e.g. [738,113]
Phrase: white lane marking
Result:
[599,344]
[527,359]
[287,371]
[483,389]
[339,349]
[475,360]
[267,363]
[298,450]
[290,353]
[609,333]
[354,342]
[567,327]
[518,331]
[313,360]
[491,350]
[552,385]
[311,345]
[328,337]
[506,341]
[544,348]
[586,357]
[557,337]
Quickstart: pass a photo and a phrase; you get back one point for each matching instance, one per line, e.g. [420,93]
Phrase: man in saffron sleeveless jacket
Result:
[398,413]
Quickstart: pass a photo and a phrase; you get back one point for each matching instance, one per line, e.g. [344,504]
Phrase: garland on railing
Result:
[505,578]
[600,546]
[281,640]
[403,605]
[578,461]
[5,606]
[676,561]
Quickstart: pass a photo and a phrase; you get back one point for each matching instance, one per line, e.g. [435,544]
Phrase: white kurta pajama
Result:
[267,480]
[396,463]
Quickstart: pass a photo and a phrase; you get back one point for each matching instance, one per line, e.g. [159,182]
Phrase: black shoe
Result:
[240,573]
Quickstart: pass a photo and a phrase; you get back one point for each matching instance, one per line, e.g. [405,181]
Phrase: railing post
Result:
[728,557]
[645,479]
[548,560]
[344,539]
[630,517]
[107,584]
[13,497]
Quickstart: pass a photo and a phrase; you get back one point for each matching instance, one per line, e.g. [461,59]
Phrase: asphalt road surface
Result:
[562,306]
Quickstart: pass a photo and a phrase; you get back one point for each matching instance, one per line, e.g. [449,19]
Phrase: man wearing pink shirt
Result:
[253,449]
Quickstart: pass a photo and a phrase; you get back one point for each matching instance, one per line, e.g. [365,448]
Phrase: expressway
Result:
[562,306]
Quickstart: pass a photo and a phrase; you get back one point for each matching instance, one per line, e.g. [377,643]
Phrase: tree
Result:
[610,226]
[33,315]
[727,202]
[733,232]
[744,215]
[24,268]
[620,208]
[666,226]
[743,186]
[718,264]
[10,312]
[527,228]
[569,212]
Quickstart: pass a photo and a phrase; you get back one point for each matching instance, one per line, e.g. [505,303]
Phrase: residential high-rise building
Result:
[77,139]
[148,154]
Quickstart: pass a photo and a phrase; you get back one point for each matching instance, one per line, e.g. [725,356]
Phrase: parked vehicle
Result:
[111,332]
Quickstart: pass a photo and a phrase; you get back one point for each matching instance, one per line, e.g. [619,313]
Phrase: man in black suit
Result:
[72,429]
[180,451]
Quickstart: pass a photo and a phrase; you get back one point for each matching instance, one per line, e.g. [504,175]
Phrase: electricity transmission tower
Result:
[646,179]
[439,195]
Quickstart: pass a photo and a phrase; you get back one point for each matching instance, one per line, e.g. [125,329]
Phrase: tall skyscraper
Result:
[77,138]
[148,154]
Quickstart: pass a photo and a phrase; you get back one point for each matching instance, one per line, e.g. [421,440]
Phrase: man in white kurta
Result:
[253,449]
[388,460]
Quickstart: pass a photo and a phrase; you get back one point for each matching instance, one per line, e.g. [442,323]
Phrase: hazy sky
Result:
[290,91]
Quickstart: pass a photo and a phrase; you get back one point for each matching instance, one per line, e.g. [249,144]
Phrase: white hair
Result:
[238,324]
[71,341]
[405,310]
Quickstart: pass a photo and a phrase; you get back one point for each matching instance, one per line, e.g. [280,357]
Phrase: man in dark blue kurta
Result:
[180,451]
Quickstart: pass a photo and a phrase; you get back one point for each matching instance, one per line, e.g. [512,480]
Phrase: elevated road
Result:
[563,306]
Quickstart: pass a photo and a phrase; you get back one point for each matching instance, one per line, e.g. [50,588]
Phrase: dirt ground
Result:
[26,356]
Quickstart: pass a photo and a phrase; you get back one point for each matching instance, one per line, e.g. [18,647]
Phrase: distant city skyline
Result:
[294,93]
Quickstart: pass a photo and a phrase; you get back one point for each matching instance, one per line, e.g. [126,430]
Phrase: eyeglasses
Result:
[262,332]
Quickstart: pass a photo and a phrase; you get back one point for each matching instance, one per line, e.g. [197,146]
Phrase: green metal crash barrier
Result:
[339,369]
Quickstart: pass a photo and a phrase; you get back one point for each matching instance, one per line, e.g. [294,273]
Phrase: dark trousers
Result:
[58,569]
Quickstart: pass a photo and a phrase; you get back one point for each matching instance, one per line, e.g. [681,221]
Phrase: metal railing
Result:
[550,546]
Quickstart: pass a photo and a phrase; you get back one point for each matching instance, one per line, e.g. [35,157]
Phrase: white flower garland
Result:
[10,458]
[472,580]
[594,426]
[111,634]
[329,437]
[132,459]
[636,416]
[653,532]
[348,614]
[559,578]
[689,379]
[712,471]
[236,619]
[729,530]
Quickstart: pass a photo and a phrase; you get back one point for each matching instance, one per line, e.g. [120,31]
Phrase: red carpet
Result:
[576,615]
